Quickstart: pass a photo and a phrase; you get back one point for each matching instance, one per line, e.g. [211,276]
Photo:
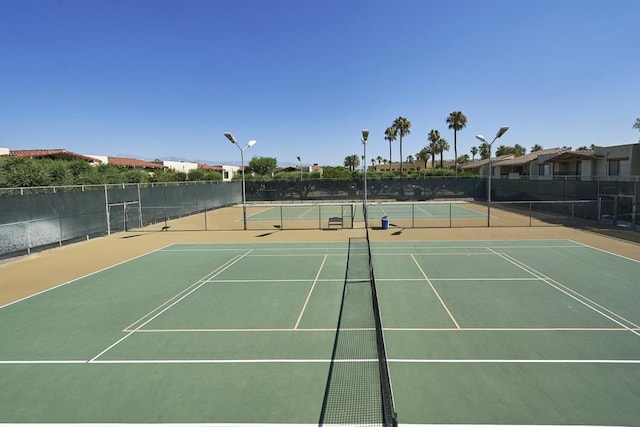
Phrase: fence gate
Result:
[617,209]
[124,216]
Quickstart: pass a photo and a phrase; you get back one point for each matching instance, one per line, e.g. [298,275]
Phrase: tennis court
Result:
[341,215]
[319,215]
[477,332]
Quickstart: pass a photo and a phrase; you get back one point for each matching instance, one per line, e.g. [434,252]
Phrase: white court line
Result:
[549,280]
[216,272]
[436,292]
[42,362]
[300,330]
[323,361]
[584,298]
[317,250]
[82,277]
[522,361]
[310,292]
[475,279]
[303,214]
[509,329]
[250,281]
[606,252]
[264,425]
[228,361]
[178,425]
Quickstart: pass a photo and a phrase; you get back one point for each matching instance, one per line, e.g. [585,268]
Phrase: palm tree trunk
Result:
[455,150]
[400,155]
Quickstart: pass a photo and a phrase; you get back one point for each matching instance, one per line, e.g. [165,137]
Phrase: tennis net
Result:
[358,390]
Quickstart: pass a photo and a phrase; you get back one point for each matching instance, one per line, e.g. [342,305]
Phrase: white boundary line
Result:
[322,361]
[522,361]
[606,252]
[453,319]
[549,280]
[204,281]
[82,277]
[315,280]
[266,425]
[475,279]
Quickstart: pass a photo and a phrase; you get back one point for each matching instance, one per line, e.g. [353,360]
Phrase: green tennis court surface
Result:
[312,211]
[538,332]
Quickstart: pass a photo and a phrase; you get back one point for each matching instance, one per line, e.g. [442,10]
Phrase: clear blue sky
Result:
[159,79]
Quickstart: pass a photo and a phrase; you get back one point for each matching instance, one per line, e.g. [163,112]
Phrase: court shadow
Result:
[131,236]
[270,232]
[265,234]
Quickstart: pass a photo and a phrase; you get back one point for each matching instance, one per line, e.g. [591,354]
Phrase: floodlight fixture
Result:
[230,137]
[501,131]
[251,143]
[365,135]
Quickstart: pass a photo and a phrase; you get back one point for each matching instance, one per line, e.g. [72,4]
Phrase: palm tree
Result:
[519,150]
[456,121]
[536,147]
[442,145]
[474,151]
[636,125]
[373,162]
[352,162]
[433,138]
[409,158]
[379,159]
[390,134]
[484,150]
[424,155]
[402,126]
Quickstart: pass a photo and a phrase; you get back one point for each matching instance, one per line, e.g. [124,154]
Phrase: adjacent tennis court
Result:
[528,332]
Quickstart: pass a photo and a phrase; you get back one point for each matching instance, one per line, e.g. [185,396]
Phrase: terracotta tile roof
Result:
[133,163]
[206,166]
[479,163]
[567,155]
[530,157]
[56,153]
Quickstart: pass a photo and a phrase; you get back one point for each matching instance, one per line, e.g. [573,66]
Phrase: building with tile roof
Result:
[55,153]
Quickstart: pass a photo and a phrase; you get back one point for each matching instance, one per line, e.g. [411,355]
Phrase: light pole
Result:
[231,138]
[481,138]
[365,135]
[300,162]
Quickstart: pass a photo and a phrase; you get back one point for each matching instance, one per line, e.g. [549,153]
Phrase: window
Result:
[614,167]
[543,170]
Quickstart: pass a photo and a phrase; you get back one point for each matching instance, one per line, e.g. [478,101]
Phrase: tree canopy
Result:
[26,172]
[516,150]
[263,165]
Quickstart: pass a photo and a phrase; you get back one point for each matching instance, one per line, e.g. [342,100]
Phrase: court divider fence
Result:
[40,217]
[37,218]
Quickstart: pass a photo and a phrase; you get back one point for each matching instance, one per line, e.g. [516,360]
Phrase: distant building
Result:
[481,167]
[55,153]
[603,163]
[416,165]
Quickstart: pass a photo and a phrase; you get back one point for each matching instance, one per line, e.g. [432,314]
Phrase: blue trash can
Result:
[385,222]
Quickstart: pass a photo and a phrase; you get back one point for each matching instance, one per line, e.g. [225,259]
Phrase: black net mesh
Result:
[358,390]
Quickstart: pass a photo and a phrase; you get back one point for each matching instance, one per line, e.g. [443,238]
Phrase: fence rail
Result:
[40,217]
